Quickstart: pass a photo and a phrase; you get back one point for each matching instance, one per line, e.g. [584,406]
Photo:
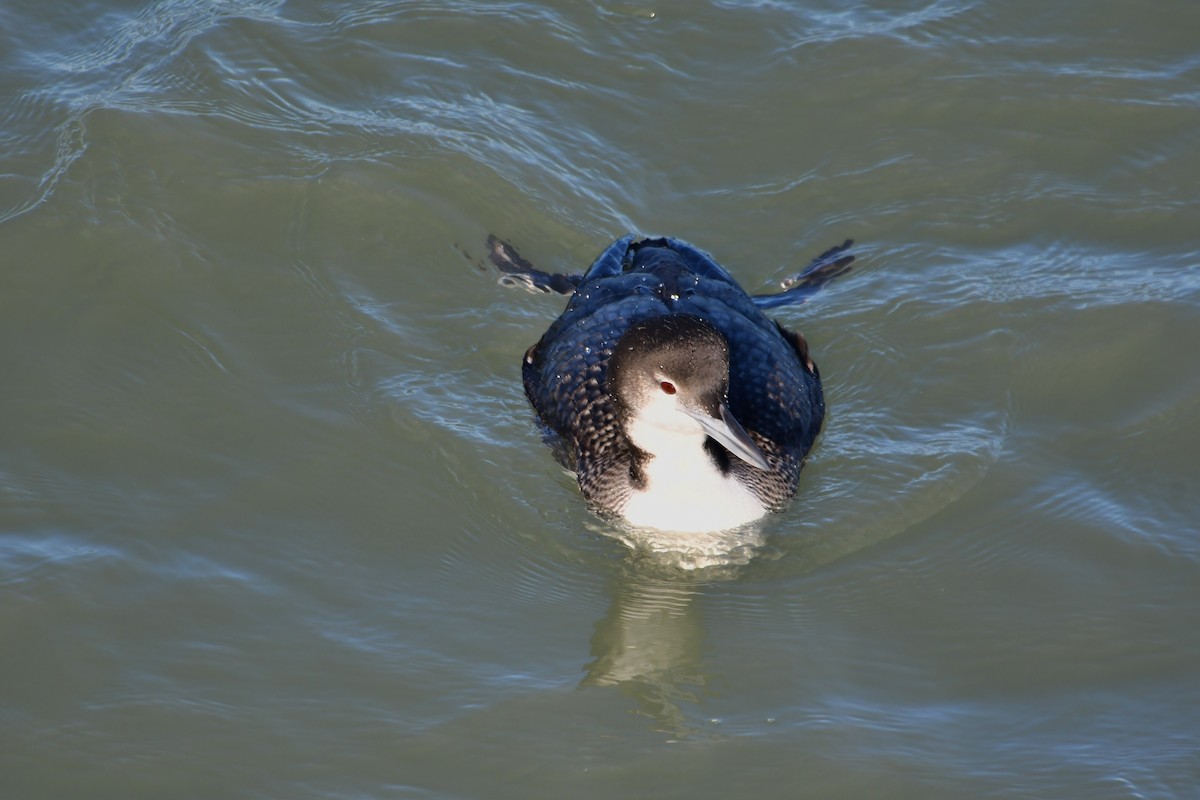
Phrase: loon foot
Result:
[821,270]
[516,271]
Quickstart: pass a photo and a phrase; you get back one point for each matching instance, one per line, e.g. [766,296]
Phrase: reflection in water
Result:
[702,555]
[649,645]
[649,642]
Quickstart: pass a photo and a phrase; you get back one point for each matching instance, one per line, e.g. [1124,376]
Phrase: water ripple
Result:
[110,64]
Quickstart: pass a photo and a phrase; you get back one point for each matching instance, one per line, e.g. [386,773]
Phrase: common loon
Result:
[676,401]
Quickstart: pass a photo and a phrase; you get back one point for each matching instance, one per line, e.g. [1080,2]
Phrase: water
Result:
[274,520]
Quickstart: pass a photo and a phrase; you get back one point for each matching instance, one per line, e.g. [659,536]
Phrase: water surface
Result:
[274,518]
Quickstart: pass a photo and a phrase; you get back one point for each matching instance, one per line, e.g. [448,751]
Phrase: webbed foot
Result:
[833,262]
[516,271]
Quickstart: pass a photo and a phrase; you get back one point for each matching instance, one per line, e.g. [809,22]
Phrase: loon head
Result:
[669,378]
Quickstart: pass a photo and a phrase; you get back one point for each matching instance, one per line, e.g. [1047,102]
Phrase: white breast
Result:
[689,494]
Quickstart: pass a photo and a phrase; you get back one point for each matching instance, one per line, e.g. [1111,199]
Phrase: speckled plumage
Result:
[774,387]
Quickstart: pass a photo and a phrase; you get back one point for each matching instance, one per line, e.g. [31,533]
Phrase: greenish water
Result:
[274,517]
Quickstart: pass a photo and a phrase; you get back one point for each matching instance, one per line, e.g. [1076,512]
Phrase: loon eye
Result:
[667,387]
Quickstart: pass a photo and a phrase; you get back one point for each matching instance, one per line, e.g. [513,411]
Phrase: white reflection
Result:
[649,643]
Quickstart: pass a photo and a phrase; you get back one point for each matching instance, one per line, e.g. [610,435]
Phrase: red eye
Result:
[667,387]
